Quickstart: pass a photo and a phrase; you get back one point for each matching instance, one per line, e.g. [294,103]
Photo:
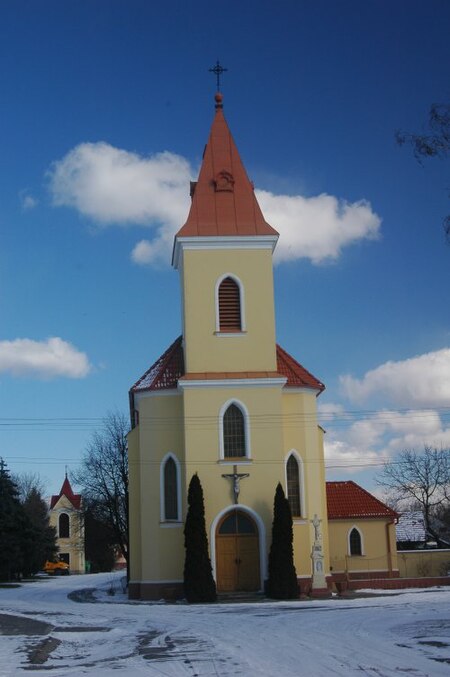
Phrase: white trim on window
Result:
[246,415]
[348,541]
[162,492]
[241,304]
[301,482]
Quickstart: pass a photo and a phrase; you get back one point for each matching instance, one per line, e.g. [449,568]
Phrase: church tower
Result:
[66,515]
[224,401]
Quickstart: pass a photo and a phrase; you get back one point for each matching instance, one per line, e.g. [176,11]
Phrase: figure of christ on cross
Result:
[236,477]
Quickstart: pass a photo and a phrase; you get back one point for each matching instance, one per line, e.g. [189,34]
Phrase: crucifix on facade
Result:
[236,478]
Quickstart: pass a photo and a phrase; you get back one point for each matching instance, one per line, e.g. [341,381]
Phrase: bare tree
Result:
[434,143]
[103,477]
[26,482]
[422,479]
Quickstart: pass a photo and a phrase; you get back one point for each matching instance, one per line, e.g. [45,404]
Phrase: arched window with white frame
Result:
[234,431]
[170,487]
[355,542]
[294,485]
[229,305]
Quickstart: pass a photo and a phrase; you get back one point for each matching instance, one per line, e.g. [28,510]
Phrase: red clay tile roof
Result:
[169,368]
[297,376]
[223,201]
[66,490]
[349,500]
[165,372]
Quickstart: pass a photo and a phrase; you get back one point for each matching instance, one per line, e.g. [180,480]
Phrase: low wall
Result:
[394,583]
[423,563]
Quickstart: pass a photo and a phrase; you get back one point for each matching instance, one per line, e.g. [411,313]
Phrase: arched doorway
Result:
[237,553]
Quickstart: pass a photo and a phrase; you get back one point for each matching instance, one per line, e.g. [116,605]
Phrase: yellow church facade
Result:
[226,402]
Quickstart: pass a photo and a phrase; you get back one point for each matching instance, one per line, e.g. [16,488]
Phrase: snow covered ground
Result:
[396,633]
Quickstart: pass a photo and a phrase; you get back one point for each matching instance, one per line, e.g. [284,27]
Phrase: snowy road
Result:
[381,636]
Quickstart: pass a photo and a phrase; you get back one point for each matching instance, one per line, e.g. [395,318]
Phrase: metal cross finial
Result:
[218,70]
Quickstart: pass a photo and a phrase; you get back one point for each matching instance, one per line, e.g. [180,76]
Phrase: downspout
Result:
[389,550]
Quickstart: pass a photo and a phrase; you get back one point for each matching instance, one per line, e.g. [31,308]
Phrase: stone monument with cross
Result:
[319,582]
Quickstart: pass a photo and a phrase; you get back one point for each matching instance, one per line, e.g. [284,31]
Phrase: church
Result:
[66,515]
[227,402]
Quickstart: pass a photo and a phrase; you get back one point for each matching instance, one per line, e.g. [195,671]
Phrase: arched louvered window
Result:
[293,486]
[229,306]
[170,490]
[64,526]
[355,542]
[233,432]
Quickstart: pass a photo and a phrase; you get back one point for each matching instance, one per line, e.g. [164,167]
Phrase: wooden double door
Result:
[237,553]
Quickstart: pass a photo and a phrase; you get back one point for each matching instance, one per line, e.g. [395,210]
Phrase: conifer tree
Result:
[282,582]
[40,545]
[199,585]
[14,527]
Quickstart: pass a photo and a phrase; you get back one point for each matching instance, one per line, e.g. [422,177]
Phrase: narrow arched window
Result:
[229,306]
[170,490]
[64,526]
[355,542]
[233,432]
[293,486]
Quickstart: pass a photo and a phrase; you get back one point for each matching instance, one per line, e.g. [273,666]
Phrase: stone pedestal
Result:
[319,586]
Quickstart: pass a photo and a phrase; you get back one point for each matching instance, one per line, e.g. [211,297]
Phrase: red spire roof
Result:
[169,368]
[66,490]
[223,199]
[349,500]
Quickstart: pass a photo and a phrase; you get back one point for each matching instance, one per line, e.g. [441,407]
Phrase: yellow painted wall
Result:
[423,563]
[301,433]
[205,351]
[74,545]
[189,426]
[157,552]
[375,545]
[135,532]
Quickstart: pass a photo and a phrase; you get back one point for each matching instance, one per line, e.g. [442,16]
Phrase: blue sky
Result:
[105,108]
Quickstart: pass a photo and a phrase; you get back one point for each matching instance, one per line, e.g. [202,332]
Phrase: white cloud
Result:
[114,186]
[372,440]
[27,201]
[110,185]
[340,454]
[43,359]
[319,227]
[422,381]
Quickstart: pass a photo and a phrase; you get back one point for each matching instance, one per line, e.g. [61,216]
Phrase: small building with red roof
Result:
[361,531]
[66,515]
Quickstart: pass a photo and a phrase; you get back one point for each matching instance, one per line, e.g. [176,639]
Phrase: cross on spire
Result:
[218,70]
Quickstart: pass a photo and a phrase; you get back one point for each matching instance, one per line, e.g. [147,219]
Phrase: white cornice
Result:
[211,242]
[144,394]
[293,390]
[233,383]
